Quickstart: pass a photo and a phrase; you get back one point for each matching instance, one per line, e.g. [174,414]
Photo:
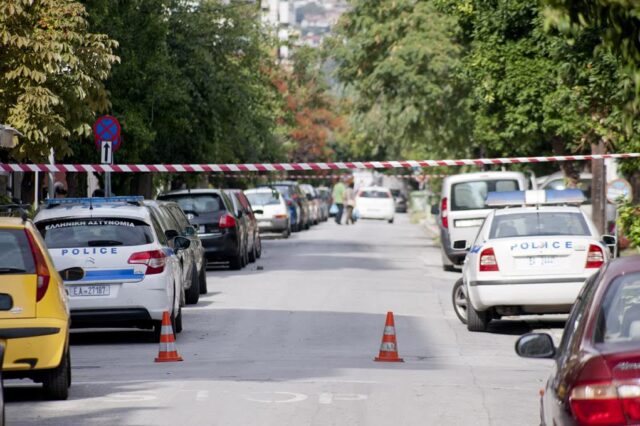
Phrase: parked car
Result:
[34,309]
[558,181]
[244,211]
[132,272]
[223,235]
[324,194]
[375,202]
[174,223]
[292,192]
[314,202]
[271,210]
[462,209]
[528,260]
[596,375]
[400,200]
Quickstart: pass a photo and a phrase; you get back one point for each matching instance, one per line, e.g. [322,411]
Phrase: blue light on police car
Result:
[95,200]
[535,197]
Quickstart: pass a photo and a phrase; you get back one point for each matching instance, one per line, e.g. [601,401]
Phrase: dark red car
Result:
[596,377]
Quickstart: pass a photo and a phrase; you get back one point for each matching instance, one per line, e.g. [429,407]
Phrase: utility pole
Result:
[598,188]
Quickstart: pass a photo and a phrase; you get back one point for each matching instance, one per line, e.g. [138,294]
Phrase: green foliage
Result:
[629,221]
[51,74]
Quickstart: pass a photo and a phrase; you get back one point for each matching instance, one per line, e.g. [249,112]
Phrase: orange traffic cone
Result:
[389,347]
[168,352]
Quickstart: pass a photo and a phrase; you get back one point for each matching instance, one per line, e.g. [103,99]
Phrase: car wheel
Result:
[459,299]
[391,220]
[235,263]
[476,320]
[56,382]
[252,255]
[203,279]
[192,294]
[259,248]
[177,322]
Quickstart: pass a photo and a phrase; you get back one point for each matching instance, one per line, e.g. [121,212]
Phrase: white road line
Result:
[325,398]
[202,395]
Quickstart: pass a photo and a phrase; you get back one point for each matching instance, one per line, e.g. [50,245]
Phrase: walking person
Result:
[338,199]
[350,203]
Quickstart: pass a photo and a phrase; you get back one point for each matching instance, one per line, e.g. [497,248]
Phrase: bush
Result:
[629,221]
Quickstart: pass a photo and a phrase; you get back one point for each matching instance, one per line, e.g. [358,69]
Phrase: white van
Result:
[462,208]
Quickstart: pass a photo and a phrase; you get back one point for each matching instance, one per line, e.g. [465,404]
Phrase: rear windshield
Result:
[538,224]
[263,198]
[95,232]
[472,195]
[619,316]
[15,252]
[584,185]
[285,190]
[197,204]
[374,194]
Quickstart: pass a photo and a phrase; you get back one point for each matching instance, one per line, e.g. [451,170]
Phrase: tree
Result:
[52,71]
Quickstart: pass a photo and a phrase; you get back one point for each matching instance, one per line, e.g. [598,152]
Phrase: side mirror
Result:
[190,231]
[435,210]
[72,274]
[181,243]
[460,245]
[258,211]
[171,234]
[609,240]
[536,345]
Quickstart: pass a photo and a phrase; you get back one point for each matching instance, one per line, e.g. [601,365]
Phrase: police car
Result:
[532,256]
[131,274]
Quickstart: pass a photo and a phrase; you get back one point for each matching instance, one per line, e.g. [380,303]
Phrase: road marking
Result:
[129,397]
[271,397]
[328,398]
[325,398]
[202,395]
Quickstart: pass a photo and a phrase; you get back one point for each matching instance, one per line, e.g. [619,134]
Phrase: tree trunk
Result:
[598,188]
[144,185]
[571,174]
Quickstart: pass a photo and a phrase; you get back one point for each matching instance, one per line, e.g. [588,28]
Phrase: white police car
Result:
[131,276]
[530,259]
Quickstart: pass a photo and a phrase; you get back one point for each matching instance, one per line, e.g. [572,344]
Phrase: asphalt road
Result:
[293,342]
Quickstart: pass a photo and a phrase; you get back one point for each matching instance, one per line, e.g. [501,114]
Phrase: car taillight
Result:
[604,404]
[443,213]
[227,221]
[154,259]
[488,262]
[281,216]
[42,270]
[595,257]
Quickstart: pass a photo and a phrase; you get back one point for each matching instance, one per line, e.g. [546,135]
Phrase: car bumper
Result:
[518,292]
[34,344]
[154,294]
[455,256]
[372,214]
[273,225]
[219,246]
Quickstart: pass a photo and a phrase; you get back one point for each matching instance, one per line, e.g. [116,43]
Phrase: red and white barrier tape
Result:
[320,176]
[281,167]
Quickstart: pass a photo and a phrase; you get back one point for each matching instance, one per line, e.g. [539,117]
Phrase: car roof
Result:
[376,188]
[463,177]
[533,209]
[263,189]
[11,222]
[545,180]
[86,211]
[191,191]
[621,266]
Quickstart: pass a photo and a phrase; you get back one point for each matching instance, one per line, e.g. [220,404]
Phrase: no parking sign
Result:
[107,128]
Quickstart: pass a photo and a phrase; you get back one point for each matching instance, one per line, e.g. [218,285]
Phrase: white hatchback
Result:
[375,202]
[528,260]
[271,210]
[131,276]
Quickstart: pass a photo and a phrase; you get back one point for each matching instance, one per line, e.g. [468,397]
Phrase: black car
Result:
[596,375]
[219,227]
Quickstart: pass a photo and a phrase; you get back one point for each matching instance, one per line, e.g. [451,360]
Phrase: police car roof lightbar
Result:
[535,198]
[131,199]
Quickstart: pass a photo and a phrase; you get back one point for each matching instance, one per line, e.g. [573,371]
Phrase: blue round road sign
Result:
[107,128]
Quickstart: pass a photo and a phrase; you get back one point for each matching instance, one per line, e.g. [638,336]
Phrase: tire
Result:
[252,256]
[476,320]
[259,248]
[192,294]
[235,263]
[447,265]
[177,322]
[391,220]
[56,382]
[459,300]
[448,268]
[202,279]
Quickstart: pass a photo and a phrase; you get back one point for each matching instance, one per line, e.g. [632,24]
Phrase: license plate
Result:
[89,290]
[201,229]
[537,261]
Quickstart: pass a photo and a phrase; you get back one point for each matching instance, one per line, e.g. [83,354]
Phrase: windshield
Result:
[196,204]
[472,195]
[15,252]
[538,224]
[95,232]
[584,185]
[263,198]
[619,316]
[372,193]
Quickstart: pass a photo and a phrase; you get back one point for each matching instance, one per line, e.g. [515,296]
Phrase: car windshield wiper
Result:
[98,243]
[11,271]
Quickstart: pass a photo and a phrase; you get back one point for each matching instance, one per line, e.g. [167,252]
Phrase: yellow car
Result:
[34,314]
